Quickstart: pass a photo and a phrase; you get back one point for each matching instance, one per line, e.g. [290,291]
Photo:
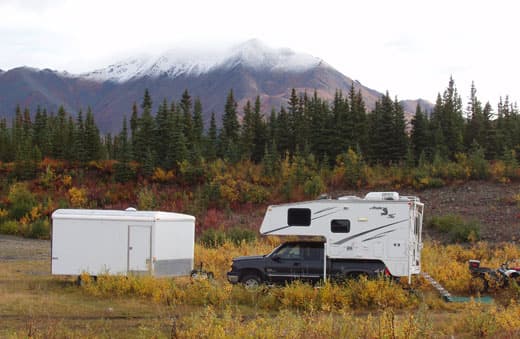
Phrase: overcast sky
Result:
[409,48]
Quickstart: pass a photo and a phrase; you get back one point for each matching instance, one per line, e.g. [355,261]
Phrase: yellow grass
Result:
[33,303]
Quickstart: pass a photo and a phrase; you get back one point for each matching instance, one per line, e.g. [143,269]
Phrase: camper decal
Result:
[384,211]
[342,241]
[326,214]
[277,229]
[380,235]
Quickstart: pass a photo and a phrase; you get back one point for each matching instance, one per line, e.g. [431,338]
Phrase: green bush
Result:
[479,164]
[237,235]
[9,227]
[456,228]
[39,229]
[213,238]
[313,187]
[146,199]
[22,200]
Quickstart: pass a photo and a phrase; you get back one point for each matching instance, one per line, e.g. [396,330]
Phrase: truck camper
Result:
[380,233]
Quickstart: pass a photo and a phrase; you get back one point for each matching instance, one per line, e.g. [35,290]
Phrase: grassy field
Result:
[35,304]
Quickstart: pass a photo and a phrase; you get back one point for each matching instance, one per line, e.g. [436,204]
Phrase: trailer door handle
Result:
[130,248]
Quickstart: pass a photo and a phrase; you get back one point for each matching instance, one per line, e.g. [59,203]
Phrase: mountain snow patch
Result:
[252,54]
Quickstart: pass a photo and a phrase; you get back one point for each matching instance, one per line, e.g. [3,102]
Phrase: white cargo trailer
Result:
[121,242]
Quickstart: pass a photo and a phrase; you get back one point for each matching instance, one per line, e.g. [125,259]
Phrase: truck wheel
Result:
[251,281]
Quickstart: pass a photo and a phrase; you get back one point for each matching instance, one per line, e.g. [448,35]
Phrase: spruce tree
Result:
[358,115]
[198,124]
[144,141]
[247,132]
[475,126]
[92,138]
[420,141]
[186,108]
[6,146]
[59,134]
[163,136]
[448,122]
[259,132]
[212,139]
[283,138]
[79,151]
[122,169]
[230,129]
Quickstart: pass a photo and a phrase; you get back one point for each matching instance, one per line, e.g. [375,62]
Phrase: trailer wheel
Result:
[251,281]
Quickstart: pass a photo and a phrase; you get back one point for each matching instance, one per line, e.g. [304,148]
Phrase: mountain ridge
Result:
[251,69]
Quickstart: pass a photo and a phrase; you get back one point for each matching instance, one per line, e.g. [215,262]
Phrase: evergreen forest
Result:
[169,159]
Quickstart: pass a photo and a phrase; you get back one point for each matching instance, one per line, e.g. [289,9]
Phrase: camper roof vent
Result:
[382,196]
[130,209]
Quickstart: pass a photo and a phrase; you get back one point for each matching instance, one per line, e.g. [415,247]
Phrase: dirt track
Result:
[16,248]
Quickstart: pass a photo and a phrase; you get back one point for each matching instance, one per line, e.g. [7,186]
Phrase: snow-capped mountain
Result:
[174,63]
[251,69]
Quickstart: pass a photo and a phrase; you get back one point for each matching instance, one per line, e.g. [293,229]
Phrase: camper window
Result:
[340,226]
[299,217]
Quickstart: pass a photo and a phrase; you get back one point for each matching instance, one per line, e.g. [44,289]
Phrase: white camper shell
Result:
[382,226]
[121,242]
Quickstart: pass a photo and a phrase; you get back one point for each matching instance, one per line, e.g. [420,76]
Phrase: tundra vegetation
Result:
[38,305]
[226,177]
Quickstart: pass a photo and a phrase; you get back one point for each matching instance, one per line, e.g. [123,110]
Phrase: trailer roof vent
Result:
[382,196]
[131,209]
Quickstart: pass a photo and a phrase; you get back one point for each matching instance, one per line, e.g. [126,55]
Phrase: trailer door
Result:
[139,249]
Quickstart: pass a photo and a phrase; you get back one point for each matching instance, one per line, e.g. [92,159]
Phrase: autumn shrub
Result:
[78,197]
[39,229]
[480,168]
[456,228]
[377,293]
[4,215]
[298,295]
[353,166]
[47,177]
[253,193]
[212,238]
[161,175]
[313,187]
[21,200]
[145,199]
[124,172]
[9,227]
[238,235]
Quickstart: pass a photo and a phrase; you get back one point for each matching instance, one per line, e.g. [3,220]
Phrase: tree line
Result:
[307,124]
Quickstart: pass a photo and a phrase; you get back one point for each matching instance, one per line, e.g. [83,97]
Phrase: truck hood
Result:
[249,258]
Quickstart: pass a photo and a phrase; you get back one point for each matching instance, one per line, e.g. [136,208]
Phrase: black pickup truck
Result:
[299,260]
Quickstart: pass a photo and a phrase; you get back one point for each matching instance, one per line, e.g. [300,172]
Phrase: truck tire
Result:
[251,281]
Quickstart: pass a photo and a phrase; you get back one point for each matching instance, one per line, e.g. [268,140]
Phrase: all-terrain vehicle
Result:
[501,277]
